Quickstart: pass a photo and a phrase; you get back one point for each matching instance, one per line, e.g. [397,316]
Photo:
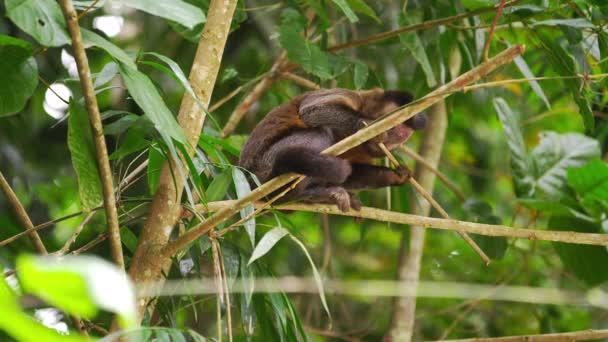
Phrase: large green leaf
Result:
[19,74]
[147,97]
[92,38]
[42,19]
[591,184]
[520,164]
[82,151]
[555,154]
[79,285]
[587,262]
[175,10]
[304,53]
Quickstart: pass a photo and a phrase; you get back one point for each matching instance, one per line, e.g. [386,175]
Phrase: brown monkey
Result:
[291,137]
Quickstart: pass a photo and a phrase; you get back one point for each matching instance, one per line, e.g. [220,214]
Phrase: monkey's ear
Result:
[398,97]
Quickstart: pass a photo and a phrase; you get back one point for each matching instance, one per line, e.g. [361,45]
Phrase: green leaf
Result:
[475,4]
[316,275]
[84,160]
[361,74]
[554,208]
[176,10]
[133,141]
[412,42]
[156,159]
[121,125]
[19,74]
[93,39]
[520,164]
[219,186]
[129,239]
[555,154]
[350,14]
[525,70]
[304,53]
[147,97]
[243,188]
[591,184]
[361,7]
[580,23]
[79,285]
[22,327]
[42,19]
[107,73]
[267,242]
[588,263]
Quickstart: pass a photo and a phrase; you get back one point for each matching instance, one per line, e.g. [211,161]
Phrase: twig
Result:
[432,222]
[301,81]
[344,145]
[254,95]
[72,239]
[424,25]
[105,173]
[486,48]
[48,86]
[21,216]
[87,10]
[525,80]
[453,187]
[582,335]
[435,204]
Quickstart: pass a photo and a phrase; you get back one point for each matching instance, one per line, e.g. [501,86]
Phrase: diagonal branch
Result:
[342,146]
[21,215]
[105,173]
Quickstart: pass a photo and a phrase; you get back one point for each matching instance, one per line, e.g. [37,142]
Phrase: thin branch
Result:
[21,215]
[48,86]
[486,48]
[301,81]
[68,244]
[243,107]
[432,222]
[419,160]
[87,10]
[525,80]
[582,335]
[367,133]
[421,26]
[429,198]
[105,172]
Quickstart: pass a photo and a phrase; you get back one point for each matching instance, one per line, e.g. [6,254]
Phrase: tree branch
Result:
[21,215]
[165,210]
[582,335]
[105,173]
[367,133]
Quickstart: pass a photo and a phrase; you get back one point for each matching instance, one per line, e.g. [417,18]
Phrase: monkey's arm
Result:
[364,176]
[334,109]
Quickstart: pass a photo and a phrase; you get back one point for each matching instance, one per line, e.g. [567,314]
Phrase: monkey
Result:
[290,138]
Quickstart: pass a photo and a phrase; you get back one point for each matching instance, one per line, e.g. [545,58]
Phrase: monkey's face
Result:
[400,133]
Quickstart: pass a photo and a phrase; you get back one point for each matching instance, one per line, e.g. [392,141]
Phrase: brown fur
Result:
[291,137]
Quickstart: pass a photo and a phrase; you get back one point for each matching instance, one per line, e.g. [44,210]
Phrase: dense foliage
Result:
[525,153]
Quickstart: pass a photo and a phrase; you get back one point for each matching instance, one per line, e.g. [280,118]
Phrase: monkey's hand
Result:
[403,174]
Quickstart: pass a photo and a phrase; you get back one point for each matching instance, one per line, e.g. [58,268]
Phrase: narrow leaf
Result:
[350,14]
[525,70]
[243,188]
[176,10]
[267,242]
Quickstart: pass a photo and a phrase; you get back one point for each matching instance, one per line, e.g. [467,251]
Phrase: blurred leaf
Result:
[475,4]
[555,154]
[175,10]
[304,53]
[107,73]
[350,14]
[228,74]
[41,19]
[523,11]
[243,189]
[84,160]
[525,70]
[19,74]
[481,212]
[576,23]
[361,75]
[520,164]
[591,184]
[267,242]
[218,188]
[77,284]
[133,141]
[588,263]
[147,97]
[83,4]
[553,208]
[412,42]
[22,327]
[121,125]
[361,7]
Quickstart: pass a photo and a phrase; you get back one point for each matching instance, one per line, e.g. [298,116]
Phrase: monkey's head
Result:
[379,102]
